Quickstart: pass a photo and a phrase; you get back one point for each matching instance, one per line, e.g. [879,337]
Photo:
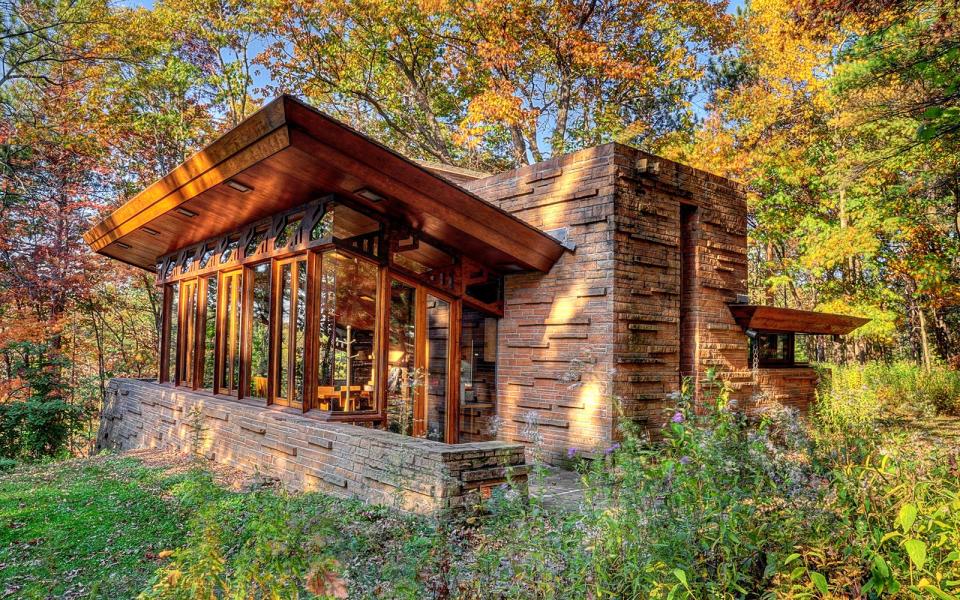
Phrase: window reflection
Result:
[259,336]
[209,333]
[347,320]
[402,379]
[438,342]
[230,345]
[172,322]
[188,326]
[292,320]
[478,375]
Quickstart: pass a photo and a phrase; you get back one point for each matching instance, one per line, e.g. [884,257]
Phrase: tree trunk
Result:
[924,342]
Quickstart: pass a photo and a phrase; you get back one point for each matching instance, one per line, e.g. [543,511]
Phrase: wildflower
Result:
[571,452]
[677,417]
[612,449]
[684,460]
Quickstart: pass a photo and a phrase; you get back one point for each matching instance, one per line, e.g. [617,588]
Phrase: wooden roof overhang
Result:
[289,153]
[770,319]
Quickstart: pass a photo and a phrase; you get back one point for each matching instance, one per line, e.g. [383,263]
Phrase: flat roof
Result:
[289,153]
[771,319]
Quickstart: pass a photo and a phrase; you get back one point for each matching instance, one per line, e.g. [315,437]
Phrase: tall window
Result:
[402,377]
[291,324]
[229,359]
[209,332]
[438,343]
[346,361]
[171,321]
[478,375]
[258,337]
[188,329]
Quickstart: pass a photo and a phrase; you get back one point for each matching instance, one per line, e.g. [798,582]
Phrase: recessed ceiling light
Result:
[243,189]
[186,212]
[369,194]
[124,246]
[150,231]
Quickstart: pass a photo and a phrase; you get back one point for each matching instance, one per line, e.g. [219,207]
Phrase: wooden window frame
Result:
[299,246]
[789,360]
[273,381]
[225,348]
[191,334]
[452,398]
[314,289]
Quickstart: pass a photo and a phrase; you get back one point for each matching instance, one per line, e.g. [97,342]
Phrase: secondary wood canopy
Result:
[289,153]
[771,319]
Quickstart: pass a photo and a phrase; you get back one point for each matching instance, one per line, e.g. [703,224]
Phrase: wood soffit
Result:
[288,153]
[770,319]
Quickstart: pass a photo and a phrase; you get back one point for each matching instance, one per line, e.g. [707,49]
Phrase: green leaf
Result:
[819,581]
[791,558]
[907,516]
[917,551]
[681,576]
[937,592]
[933,112]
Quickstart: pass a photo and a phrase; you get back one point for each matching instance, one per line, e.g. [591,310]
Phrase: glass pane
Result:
[438,342]
[287,234]
[206,255]
[189,329]
[402,378]
[254,244]
[283,335]
[230,346]
[188,262]
[231,249]
[346,361]
[478,376]
[300,329]
[260,330]
[171,321]
[209,334]
[291,322]
[775,348]
[323,228]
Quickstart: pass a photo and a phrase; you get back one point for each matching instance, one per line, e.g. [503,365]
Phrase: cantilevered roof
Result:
[789,320]
[289,153]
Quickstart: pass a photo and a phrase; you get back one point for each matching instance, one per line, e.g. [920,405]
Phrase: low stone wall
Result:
[794,387]
[415,475]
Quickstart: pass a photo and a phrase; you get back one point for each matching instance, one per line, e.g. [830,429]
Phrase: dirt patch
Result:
[174,463]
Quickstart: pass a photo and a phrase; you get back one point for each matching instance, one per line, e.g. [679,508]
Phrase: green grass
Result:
[84,528]
[96,528]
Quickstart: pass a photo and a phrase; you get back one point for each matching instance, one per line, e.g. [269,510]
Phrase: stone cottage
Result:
[354,321]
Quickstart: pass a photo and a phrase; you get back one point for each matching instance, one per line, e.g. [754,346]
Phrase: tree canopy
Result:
[842,118]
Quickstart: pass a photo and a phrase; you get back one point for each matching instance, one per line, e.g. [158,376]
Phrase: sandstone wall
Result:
[416,475]
[556,339]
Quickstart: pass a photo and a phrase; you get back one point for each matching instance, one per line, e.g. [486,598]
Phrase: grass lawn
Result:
[84,528]
[102,527]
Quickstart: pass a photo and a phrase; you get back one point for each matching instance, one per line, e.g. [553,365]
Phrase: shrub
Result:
[36,421]
[898,387]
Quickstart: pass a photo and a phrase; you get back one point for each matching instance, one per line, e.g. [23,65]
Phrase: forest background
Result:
[841,117]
